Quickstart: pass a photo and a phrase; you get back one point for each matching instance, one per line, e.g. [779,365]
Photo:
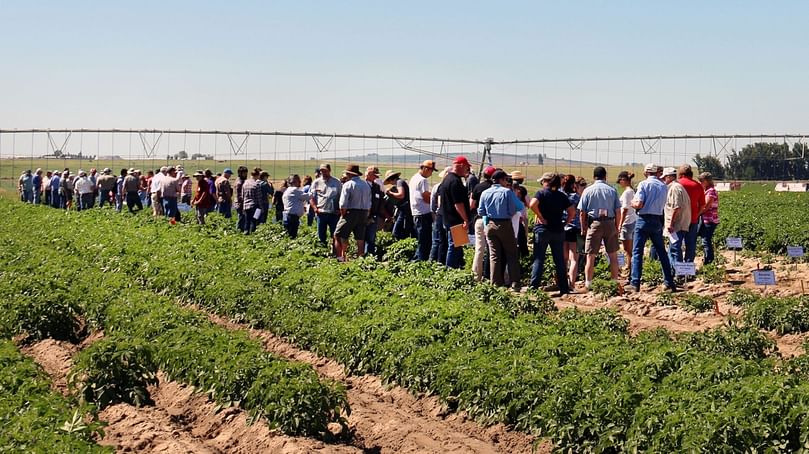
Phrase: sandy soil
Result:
[643,312]
[180,421]
[392,420]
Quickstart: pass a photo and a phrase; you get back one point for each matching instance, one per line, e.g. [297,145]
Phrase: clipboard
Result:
[460,236]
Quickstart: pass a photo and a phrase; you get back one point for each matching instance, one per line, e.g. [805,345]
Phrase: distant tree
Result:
[768,161]
[57,153]
[710,164]
[182,154]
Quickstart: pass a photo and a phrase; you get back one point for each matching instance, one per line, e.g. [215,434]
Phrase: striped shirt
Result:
[711,213]
[251,194]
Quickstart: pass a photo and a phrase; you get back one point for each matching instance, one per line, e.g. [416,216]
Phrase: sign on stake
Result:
[735,244]
[685,269]
[764,277]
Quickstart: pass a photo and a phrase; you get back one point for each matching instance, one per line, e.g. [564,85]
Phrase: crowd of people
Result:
[570,217]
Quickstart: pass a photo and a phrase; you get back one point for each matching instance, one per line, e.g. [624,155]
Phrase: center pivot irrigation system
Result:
[278,149]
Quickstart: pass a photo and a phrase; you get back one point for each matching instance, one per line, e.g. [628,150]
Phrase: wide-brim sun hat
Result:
[391,174]
[353,169]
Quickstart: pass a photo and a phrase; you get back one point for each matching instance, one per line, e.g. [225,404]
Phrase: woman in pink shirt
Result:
[710,216]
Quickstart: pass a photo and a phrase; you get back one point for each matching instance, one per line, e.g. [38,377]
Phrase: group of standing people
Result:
[570,217]
[668,203]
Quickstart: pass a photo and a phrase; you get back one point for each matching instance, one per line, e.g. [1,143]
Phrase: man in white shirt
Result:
[420,206]
[85,188]
[157,191]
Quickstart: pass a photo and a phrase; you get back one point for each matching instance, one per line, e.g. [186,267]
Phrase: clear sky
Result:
[468,69]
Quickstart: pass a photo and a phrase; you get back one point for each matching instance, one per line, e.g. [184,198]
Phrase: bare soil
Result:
[180,421]
[643,312]
[389,419]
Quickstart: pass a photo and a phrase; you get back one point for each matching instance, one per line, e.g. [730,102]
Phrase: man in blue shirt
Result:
[355,206]
[599,206]
[497,205]
[56,181]
[37,186]
[650,202]
[26,187]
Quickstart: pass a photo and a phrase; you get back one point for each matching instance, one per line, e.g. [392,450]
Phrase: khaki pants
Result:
[503,252]
[157,205]
[481,249]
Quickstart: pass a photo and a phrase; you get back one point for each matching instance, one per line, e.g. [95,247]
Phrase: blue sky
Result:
[449,69]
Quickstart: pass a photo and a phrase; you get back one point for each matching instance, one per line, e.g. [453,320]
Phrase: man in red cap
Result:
[455,206]
[480,264]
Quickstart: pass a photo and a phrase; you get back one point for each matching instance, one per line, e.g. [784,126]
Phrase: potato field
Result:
[122,332]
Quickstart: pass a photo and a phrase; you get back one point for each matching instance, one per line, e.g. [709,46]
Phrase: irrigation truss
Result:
[279,147]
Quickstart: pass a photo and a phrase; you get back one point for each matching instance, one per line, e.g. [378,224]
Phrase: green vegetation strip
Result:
[578,378]
[766,221]
[784,315]
[47,292]
[34,418]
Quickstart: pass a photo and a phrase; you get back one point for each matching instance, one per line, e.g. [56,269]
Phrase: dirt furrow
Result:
[180,421]
[643,313]
[392,420]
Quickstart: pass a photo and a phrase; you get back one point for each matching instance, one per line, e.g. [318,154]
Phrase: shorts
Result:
[353,222]
[627,232]
[572,235]
[601,231]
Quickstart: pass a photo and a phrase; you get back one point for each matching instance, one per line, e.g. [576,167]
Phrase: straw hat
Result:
[391,174]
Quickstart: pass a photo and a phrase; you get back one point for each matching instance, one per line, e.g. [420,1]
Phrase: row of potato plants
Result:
[48,291]
[578,378]
[766,221]
[784,315]
[36,418]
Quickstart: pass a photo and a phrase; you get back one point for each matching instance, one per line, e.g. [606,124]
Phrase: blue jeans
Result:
[649,227]
[86,201]
[556,240]
[326,220]
[424,234]
[56,199]
[676,248]
[225,209]
[291,224]
[133,200]
[370,237]
[249,216]
[28,196]
[454,254]
[438,250]
[706,231]
[691,242]
[103,197]
[37,197]
[170,208]
[403,224]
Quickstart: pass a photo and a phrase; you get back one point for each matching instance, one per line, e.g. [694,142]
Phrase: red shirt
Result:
[203,198]
[697,196]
